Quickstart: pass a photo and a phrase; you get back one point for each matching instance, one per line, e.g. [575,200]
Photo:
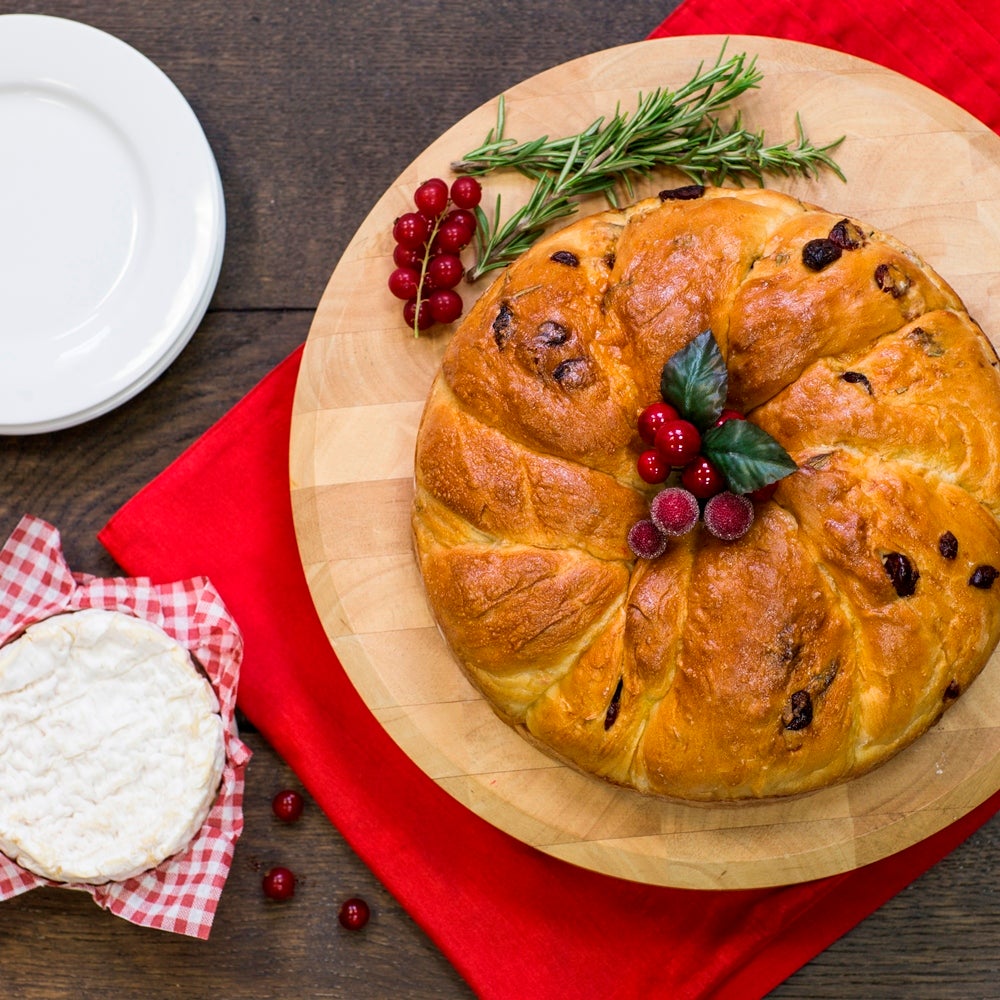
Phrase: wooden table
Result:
[312,110]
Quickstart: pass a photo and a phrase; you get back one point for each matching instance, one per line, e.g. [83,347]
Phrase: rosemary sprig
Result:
[678,128]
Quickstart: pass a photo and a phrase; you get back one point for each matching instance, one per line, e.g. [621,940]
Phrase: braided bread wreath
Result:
[859,605]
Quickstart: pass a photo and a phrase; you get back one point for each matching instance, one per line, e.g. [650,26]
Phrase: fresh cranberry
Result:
[678,441]
[764,493]
[354,913]
[652,418]
[702,478]
[279,884]
[652,467]
[287,805]
[726,415]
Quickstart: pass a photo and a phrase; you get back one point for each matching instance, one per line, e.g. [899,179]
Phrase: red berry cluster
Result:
[676,510]
[279,882]
[675,443]
[428,243]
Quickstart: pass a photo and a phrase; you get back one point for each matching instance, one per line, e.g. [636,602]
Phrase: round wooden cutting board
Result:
[917,167]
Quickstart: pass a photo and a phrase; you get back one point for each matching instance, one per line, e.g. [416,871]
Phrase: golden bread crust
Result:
[798,656]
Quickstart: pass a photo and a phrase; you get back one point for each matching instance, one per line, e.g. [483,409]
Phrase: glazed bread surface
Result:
[861,602]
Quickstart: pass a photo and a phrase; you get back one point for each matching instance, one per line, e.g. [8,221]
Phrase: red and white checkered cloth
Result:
[182,893]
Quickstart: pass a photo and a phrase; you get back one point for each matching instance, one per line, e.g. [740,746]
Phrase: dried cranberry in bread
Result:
[860,603]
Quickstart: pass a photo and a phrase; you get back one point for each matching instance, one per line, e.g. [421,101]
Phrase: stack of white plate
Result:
[112,223]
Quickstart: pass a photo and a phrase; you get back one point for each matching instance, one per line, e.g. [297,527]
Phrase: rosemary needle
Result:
[678,128]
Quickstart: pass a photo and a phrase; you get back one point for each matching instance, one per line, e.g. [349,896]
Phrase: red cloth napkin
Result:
[222,509]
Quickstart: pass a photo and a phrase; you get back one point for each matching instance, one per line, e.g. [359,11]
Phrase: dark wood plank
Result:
[312,109]
[57,943]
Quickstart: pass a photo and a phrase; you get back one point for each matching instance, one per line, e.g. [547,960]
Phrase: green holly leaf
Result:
[695,382]
[746,455]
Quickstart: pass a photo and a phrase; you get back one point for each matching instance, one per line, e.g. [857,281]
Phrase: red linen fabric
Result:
[947,45]
[222,510]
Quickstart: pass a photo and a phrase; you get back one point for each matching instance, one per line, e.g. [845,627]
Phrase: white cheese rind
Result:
[111,747]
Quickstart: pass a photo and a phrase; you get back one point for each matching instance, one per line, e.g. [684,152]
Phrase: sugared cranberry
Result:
[279,884]
[652,418]
[674,511]
[678,441]
[728,516]
[354,913]
[646,540]
[702,478]
[652,467]
[287,805]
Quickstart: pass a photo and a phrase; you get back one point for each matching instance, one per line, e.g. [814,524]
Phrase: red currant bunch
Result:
[429,241]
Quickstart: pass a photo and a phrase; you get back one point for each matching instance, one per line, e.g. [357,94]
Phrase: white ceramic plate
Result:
[112,223]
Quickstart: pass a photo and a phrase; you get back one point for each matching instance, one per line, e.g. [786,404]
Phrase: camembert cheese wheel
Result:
[111,747]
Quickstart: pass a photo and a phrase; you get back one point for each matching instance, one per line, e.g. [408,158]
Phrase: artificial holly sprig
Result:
[696,383]
[726,462]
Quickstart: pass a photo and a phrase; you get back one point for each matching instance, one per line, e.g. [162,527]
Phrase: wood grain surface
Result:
[313,110]
[361,390]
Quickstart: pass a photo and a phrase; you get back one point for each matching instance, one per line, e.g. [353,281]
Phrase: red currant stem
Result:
[423,273]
